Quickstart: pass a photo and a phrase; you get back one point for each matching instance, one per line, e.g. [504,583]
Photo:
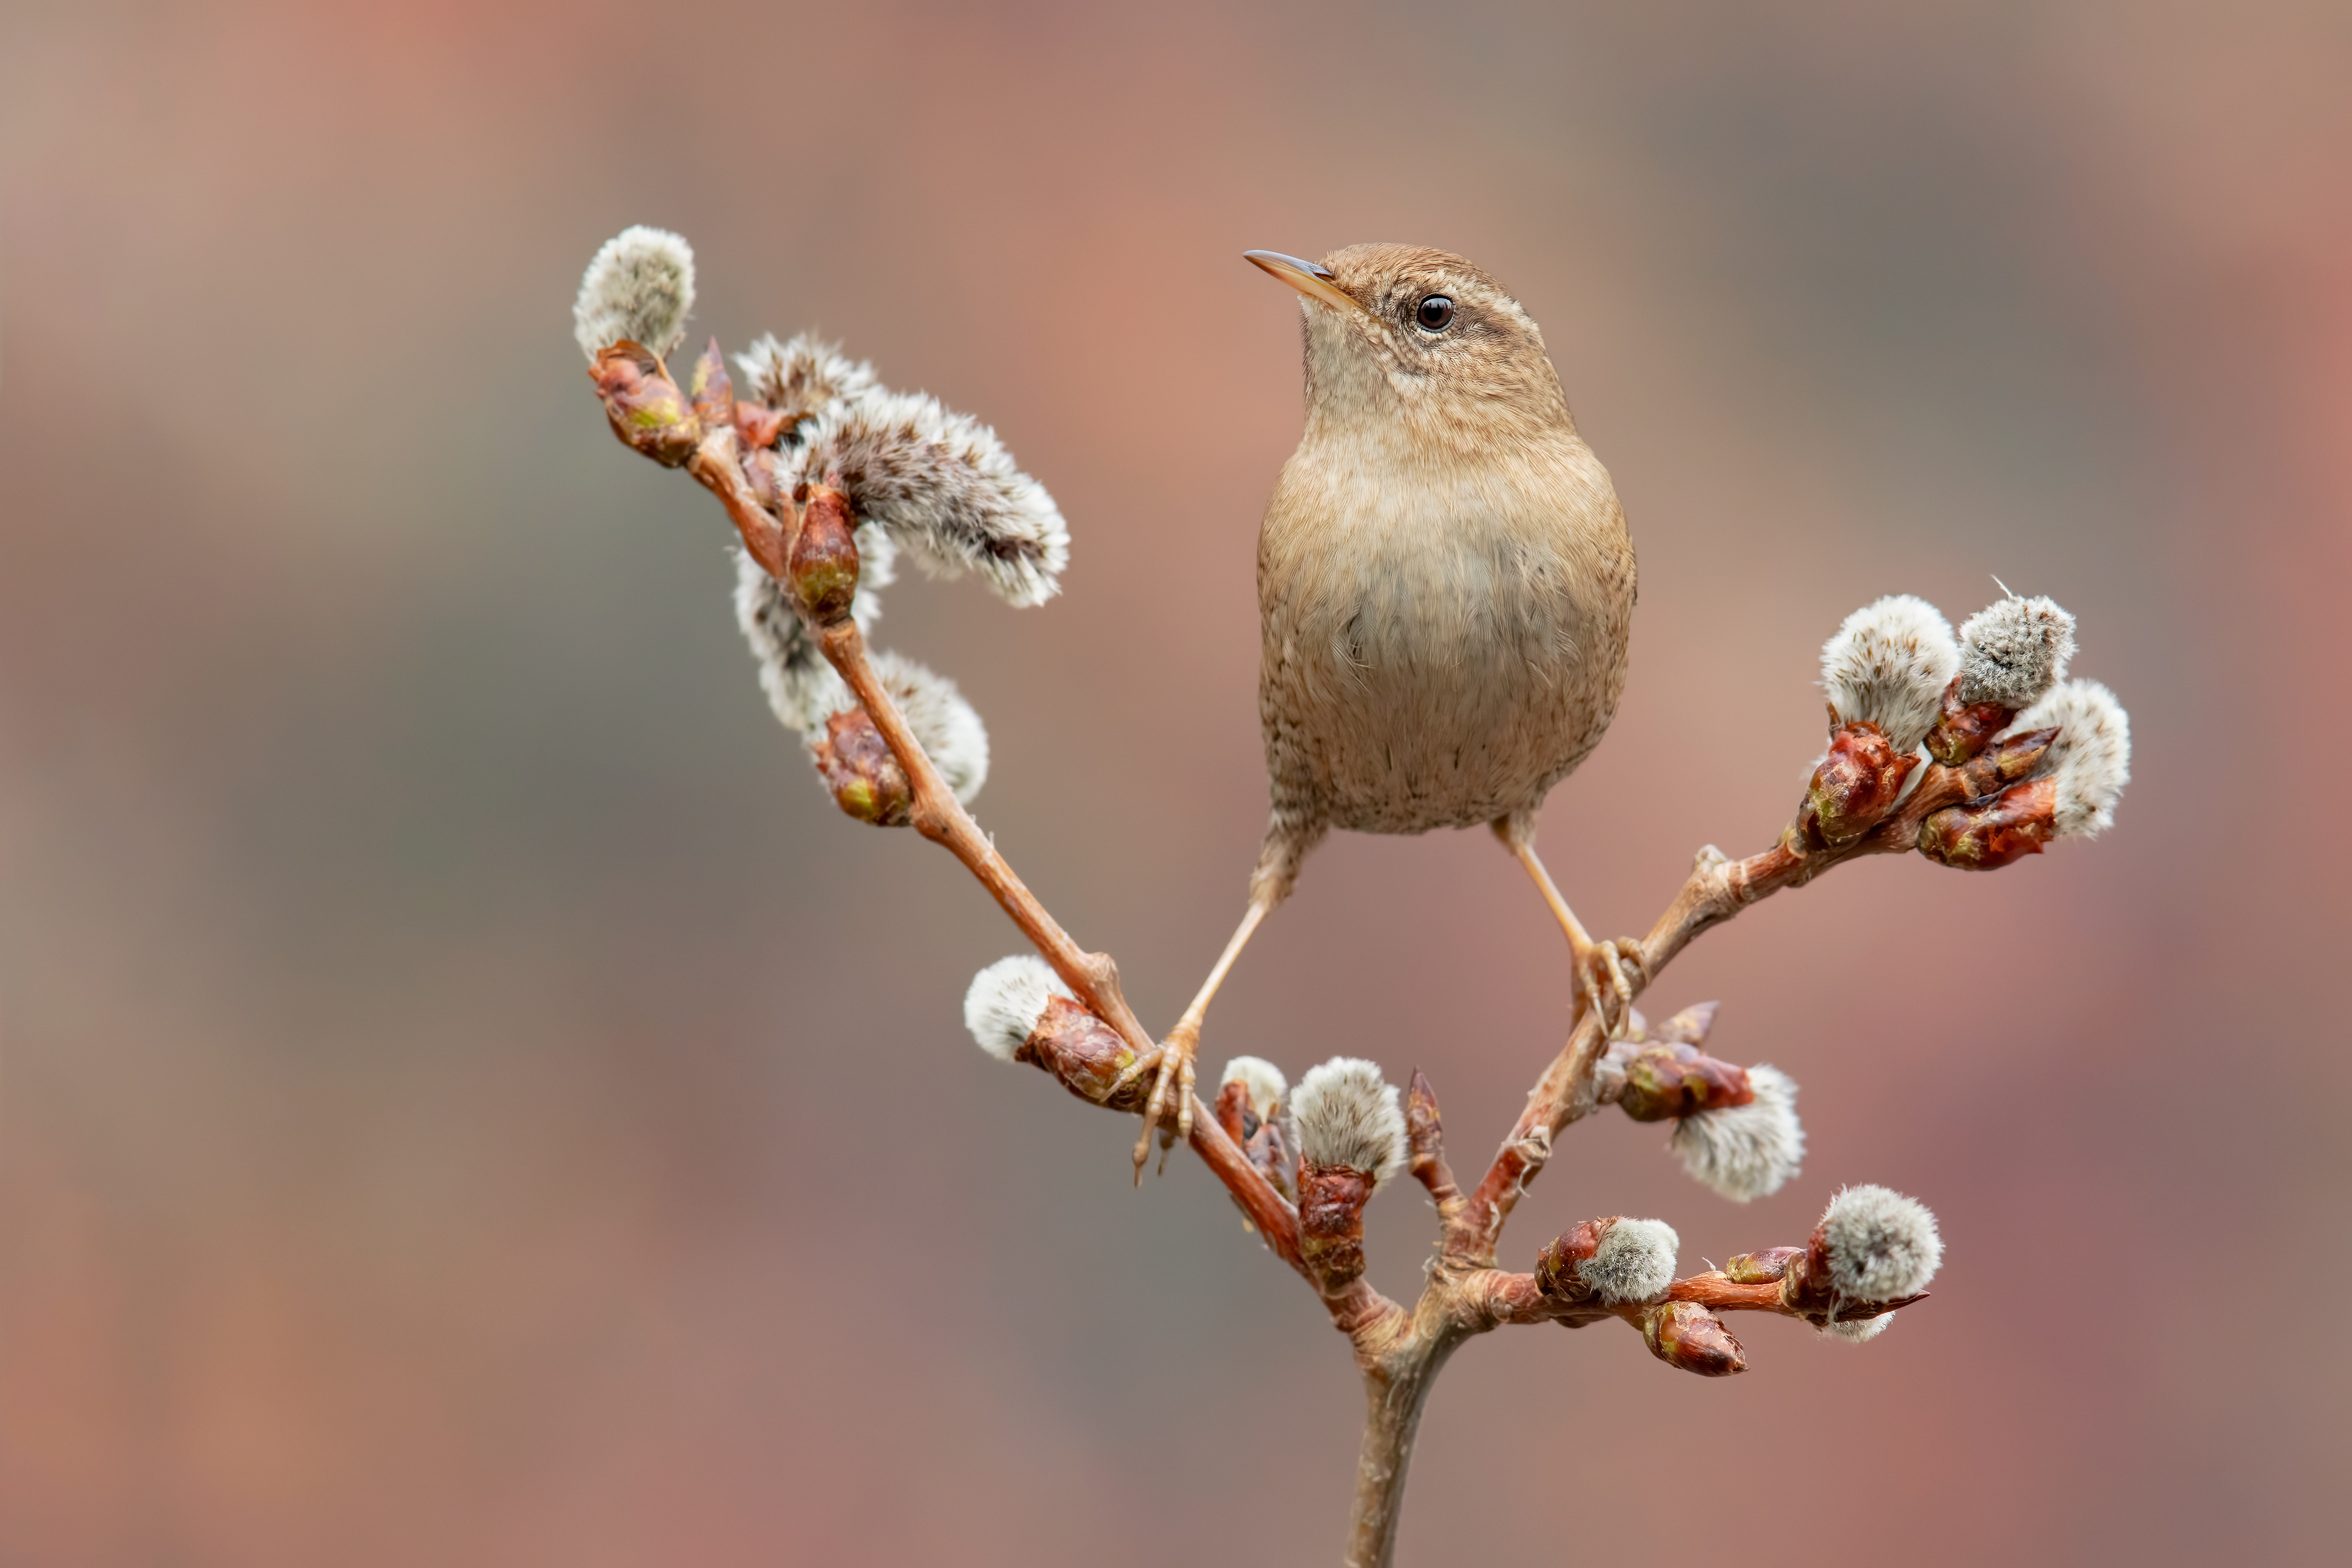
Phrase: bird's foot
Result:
[1603,985]
[1169,1110]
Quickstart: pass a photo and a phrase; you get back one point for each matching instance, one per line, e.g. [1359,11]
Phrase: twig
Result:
[1717,889]
[939,817]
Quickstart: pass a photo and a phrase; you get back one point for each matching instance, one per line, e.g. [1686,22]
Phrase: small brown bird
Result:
[1445,588]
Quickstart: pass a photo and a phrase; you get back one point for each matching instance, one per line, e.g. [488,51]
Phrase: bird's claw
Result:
[1169,1110]
[1604,986]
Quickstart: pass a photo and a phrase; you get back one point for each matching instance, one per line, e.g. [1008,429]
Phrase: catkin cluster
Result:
[2049,756]
[1736,1128]
[917,477]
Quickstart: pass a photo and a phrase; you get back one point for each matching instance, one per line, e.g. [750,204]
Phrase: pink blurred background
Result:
[467,1097]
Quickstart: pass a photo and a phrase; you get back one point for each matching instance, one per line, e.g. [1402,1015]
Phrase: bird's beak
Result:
[1313,281]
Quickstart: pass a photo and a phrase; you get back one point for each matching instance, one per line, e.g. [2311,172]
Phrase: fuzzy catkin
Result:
[802,378]
[1262,1078]
[1005,1001]
[1861,1330]
[1633,1262]
[1881,1244]
[639,285]
[2013,651]
[1349,1115]
[945,489]
[1749,1151]
[1889,663]
[2090,759]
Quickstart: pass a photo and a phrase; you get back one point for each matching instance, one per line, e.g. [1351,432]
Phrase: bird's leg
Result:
[1600,966]
[1172,1090]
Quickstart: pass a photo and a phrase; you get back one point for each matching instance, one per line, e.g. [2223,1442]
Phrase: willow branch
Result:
[939,817]
[1491,1298]
[1717,889]
[1720,1292]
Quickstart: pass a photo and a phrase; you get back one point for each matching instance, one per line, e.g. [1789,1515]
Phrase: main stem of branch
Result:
[1401,1354]
[1393,1399]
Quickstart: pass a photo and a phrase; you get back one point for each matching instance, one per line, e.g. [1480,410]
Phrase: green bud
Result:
[644,406]
[857,765]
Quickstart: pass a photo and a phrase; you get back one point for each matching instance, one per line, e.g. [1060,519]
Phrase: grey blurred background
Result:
[467,1097]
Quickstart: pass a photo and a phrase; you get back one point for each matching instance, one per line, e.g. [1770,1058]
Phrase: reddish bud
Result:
[1332,1201]
[1805,1285]
[1805,1291]
[1687,1335]
[1805,1282]
[1806,1288]
[857,765]
[821,567]
[1855,785]
[757,426]
[1688,1026]
[1270,1152]
[1235,1112]
[1085,1054]
[1422,1128]
[1963,729]
[1989,832]
[1424,1136]
[1556,1274]
[646,409]
[2008,762]
[713,392]
[1761,1268]
[1262,1141]
[1673,1079]
[761,473]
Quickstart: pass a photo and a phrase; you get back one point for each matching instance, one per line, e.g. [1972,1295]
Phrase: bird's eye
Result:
[1434,313]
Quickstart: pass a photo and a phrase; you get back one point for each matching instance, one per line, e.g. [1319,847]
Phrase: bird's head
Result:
[1418,345]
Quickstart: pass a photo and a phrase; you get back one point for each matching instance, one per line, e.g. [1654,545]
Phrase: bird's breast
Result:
[1442,639]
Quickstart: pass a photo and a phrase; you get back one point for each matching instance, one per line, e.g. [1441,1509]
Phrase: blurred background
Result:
[468,1097]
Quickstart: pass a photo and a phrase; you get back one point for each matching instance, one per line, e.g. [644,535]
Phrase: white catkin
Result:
[1348,1114]
[1634,1261]
[801,687]
[1005,1001]
[1262,1078]
[639,285]
[1889,664]
[2013,651]
[802,378]
[1749,1151]
[2090,759]
[1860,1332]
[947,726]
[1881,1244]
[944,487]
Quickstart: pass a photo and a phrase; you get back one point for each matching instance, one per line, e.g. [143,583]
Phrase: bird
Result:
[1445,596]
